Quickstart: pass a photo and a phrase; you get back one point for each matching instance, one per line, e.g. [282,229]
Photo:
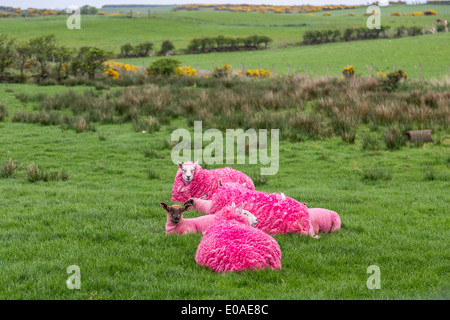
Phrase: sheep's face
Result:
[251,217]
[188,171]
[175,212]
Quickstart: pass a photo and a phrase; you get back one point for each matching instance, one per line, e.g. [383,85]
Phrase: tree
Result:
[92,58]
[166,47]
[164,66]
[6,52]
[23,53]
[143,49]
[43,49]
[126,49]
[63,56]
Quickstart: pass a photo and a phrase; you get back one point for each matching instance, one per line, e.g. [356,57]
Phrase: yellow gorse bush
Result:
[257,73]
[114,69]
[349,71]
[188,71]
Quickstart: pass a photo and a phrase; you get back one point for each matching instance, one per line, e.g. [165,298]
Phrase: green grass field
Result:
[106,217]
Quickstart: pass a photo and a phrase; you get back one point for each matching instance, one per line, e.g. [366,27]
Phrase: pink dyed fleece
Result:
[275,212]
[324,220]
[206,182]
[229,245]
[201,224]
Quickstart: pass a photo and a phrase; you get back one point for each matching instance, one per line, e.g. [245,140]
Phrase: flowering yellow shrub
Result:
[381,74]
[396,14]
[114,69]
[327,14]
[349,71]
[417,14]
[257,73]
[430,13]
[188,71]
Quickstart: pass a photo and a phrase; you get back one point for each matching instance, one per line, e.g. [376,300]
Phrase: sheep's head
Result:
[250,216]
[175,212]
[188,170]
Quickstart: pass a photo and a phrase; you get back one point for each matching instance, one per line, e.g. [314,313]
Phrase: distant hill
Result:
[134,6]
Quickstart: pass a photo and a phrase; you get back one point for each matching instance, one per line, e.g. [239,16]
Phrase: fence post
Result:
[198,71]
[214,67]
[306,70]
[328,70]
[395,67]
[371,69]
[185,70]
[289,67]
[273,69]
[259,71]
[420,71]
[243,68]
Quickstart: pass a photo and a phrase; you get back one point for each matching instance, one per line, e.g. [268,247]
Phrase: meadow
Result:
[336,152]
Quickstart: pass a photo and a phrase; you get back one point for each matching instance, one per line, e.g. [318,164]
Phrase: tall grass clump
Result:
[3,111]
[35,174]
[9,169]
[376,173]
[394,138]
[370,142]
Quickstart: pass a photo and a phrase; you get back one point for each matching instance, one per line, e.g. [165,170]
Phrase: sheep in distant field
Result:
[276,213]
[177,224]
[324,220]
[192,181]
[231,244]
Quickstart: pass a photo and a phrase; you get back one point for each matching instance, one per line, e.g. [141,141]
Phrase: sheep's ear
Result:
[164,206]
[220,182]
[196,163]
[188,204]
[180,165]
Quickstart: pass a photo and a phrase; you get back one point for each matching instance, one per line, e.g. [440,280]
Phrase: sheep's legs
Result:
[201,205]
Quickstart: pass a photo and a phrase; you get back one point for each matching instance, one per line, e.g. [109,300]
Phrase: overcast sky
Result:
[61,4]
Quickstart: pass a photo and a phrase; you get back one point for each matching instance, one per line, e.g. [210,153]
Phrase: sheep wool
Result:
[206,182]
[324,220]
[233,245]
[275,212]
[193,225]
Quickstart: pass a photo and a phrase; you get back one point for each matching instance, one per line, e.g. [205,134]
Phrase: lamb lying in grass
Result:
[324,220]
[192,181]
[275,212]
[231,244]
[177,224]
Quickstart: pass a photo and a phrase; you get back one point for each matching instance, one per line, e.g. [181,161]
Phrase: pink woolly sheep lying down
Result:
[176,224]
[324,220]
[275,212]
[192,181]
[233,245]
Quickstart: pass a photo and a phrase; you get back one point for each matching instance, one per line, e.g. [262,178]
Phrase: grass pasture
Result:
[338,150]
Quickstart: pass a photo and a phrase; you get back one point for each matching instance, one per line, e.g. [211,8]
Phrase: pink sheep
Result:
[276,213]
[324,220]
[177,224]
[233,245]
[192,181]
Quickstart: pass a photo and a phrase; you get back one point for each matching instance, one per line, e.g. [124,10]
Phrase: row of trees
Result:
[143,49]
[222,43]
[46,56]
[352,34]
